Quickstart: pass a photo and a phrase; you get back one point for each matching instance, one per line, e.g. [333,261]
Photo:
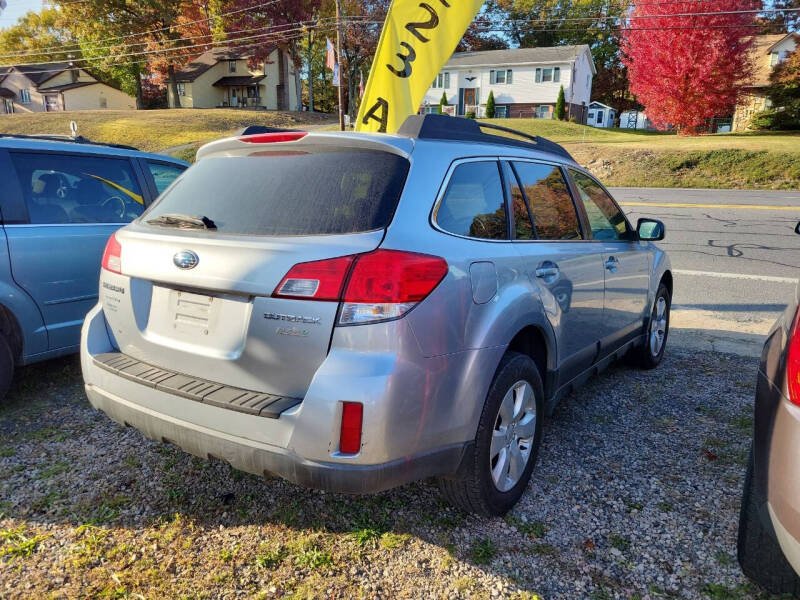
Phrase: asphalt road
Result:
[734,252]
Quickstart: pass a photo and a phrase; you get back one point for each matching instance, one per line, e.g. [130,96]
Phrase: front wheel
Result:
[506,443]
[649,354]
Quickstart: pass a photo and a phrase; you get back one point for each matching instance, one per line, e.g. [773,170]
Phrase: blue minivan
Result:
[60,200]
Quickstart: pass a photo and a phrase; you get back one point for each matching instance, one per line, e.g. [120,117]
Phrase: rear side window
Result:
[554,213]
[523,228]
[473,204]
[295,193]
[63,188]
[164,174]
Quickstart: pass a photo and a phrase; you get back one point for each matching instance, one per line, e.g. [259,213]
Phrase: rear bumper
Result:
[263,459]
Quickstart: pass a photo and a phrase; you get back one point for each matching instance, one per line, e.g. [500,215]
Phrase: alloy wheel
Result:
[512,437]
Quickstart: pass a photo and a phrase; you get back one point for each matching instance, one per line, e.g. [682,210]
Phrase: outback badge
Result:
[185,259]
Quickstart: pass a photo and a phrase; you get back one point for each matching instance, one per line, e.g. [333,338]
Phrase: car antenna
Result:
[73,127]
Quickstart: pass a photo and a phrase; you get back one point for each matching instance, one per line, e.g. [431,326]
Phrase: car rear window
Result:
[293,193]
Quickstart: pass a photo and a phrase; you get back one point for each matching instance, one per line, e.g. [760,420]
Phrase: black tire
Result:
[760,555]
[643,356]
[473,489]
[6,366]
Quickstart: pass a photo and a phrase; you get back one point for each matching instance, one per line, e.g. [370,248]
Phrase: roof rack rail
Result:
[54,137]
[444,127]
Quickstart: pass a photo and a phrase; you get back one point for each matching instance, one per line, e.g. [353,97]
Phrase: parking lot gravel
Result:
[635,495]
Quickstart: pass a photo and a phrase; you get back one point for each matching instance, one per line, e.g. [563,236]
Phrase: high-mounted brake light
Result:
[268,138]
[380,285]
[112,255]
[350,433]
[793,361]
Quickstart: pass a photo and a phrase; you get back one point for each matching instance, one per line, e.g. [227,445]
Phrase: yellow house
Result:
[224,77]
[766,52]
[56,87]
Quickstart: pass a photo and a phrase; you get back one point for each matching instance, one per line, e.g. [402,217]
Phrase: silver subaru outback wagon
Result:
[353,312]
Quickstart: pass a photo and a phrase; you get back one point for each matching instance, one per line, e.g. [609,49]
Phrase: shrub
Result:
[443,102]
[470,114]
[490,106]
[775,120]
[561,109]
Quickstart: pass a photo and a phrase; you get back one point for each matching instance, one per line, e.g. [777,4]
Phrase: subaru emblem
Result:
[185,259]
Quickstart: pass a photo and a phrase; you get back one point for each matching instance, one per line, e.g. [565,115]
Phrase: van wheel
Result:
[506,444]
[6,366]
[649,354]
[760,555]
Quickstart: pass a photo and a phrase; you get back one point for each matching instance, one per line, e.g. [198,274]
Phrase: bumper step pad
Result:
[199,390]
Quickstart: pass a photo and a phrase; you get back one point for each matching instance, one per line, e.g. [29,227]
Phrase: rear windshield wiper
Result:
[182,221]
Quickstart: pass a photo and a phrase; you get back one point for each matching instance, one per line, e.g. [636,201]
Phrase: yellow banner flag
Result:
[417,39]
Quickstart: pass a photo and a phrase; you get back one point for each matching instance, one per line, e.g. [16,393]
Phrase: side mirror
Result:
[797,227]
[652,230]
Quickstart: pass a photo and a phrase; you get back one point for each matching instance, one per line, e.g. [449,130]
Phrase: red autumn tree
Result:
[686,65]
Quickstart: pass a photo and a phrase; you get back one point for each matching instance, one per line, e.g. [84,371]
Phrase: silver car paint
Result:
[422,379]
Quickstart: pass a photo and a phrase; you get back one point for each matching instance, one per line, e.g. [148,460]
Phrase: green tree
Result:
[561,109]
[35,32]
[490,105]
[442,103]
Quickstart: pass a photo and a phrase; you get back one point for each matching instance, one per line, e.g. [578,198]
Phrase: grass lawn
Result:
[620,157]
[623,157]
[155,130]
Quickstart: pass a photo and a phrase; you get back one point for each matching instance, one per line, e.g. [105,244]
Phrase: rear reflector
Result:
[112,255]
[268,138]
[380,285]
[350,435]
[793,361]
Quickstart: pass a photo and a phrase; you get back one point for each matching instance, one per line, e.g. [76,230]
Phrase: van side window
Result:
[553,211]
[605,217]
[473,205]
[523,224]
[77,189]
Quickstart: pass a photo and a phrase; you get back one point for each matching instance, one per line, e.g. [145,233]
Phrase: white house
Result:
[228,77]
[525,82]
[600,115]
[56,87]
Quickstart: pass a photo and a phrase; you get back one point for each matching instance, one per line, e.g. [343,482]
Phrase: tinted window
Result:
[523,228]
[605,218]
[473,204]
[292,193]
[164,174]
[554,213]
[78,189]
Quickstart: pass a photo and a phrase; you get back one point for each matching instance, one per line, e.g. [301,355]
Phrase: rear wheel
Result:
[6,366]
[760,555]
[649,354]
[506,443]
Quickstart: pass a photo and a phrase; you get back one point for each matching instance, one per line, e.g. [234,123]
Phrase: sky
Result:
[17,8]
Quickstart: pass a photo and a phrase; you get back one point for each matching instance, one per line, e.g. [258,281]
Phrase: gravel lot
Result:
[636,495]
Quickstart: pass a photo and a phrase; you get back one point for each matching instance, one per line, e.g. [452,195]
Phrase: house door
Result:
[8,105]
[51,103]
[469,98]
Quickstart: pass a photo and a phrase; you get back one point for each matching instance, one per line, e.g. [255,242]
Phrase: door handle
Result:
[546,272]
[612,264]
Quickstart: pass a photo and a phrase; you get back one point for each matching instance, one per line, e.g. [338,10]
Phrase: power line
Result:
[175,26]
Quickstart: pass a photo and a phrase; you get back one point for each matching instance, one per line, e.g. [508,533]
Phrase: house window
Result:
[442,81]
[557,74]
[500,76]
[591,114]
[181,89]
[547,75]
[544,111]
[500,112]
[232,66]
[25,96]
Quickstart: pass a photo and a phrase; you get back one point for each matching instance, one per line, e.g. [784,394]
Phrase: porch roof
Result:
[238,81]
[6,93]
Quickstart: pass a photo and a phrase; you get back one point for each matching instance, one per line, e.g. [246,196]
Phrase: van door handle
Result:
[612,264]
[546,272]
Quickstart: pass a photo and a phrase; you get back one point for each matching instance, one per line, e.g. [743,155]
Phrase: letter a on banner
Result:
[418,38]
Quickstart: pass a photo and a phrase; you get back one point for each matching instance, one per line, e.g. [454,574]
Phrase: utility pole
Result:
[339,64]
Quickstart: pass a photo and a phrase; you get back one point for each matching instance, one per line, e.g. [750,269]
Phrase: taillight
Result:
[317,280]
[376,286]
[112,255]
[268,138]
[793,361]
[350,433]
[386,284]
